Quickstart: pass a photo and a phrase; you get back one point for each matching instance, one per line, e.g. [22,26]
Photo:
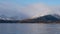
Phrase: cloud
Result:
[37,10]
[55,9]
[11,10]
[28,11]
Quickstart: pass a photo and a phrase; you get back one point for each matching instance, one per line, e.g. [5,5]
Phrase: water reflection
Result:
[29,28]
[53,29]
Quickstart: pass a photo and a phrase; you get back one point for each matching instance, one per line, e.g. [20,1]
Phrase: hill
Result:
[43,19]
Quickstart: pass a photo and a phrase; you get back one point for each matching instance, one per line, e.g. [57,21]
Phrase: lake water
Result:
[17,28]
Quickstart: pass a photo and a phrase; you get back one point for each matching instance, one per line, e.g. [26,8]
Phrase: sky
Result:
[29,8]
[49,2]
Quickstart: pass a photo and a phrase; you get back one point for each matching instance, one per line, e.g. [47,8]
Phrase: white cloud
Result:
[55,10]
[37,10]
[28,11]
[11,9]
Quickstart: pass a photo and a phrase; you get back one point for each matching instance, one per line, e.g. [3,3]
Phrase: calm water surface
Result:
[15,28]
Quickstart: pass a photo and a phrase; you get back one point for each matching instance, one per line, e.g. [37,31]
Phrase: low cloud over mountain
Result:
[28,11]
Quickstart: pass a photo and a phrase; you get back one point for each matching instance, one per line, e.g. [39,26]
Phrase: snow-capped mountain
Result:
[56,15]
[46,18]
[4,17]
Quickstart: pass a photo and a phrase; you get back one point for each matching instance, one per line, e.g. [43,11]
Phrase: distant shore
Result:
[27,21]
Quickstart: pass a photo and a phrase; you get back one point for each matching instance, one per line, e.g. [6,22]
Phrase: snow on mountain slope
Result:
[56,15]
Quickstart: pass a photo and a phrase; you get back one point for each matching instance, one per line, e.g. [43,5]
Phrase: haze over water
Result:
[28,28]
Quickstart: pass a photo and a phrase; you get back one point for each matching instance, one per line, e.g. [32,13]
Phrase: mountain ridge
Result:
[42,19]
[46,18]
